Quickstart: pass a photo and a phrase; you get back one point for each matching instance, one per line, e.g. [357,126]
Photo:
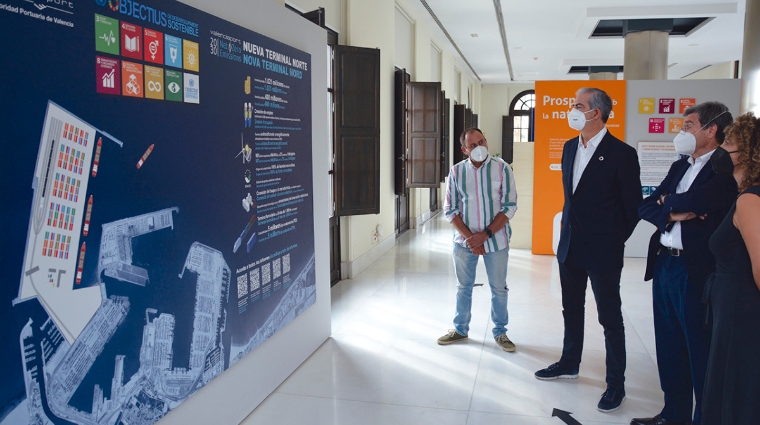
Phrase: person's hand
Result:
[479,250]
[661,201]
[476,240]
[684,216]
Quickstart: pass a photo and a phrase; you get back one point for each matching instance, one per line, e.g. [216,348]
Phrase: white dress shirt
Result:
[672,238]
[584,154]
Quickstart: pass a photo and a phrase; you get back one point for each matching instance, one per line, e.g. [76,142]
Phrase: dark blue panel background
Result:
[192,167]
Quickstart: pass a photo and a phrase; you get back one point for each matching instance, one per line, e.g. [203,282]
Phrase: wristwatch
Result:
[489,232]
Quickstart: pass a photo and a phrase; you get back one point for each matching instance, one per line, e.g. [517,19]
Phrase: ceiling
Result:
[544,38]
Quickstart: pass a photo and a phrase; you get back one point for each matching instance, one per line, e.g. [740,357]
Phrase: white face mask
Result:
[685,143]
[577,119]
[479,154]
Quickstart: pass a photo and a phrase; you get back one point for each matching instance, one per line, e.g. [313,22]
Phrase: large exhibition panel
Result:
[157,213]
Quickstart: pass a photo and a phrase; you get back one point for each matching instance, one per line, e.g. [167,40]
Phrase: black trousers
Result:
[606,287]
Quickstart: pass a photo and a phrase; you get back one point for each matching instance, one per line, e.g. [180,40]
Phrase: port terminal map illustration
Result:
[152,237]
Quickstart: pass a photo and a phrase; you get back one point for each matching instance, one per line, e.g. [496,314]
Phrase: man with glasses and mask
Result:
[686,208]
[481,198]
[602,189]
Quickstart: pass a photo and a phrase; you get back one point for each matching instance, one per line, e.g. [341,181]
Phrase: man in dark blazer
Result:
[602,185]
[686,208]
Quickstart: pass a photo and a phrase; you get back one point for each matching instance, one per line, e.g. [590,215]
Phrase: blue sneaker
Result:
[611,400]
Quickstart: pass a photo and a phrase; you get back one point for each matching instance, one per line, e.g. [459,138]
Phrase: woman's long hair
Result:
[745,133]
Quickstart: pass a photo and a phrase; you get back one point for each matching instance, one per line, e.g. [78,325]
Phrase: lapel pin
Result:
[601,158]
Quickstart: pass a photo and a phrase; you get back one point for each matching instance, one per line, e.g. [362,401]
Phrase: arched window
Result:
[521,110]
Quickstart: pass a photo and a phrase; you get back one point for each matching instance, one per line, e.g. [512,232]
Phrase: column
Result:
[603,72]
[646,55]
[646,48]
[750,71]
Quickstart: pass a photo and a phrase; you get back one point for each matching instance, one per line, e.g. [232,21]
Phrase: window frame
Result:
[530,113]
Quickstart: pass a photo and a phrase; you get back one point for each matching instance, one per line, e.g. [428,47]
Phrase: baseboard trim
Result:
[351,269]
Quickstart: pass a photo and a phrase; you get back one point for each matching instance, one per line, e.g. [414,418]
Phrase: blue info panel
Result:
[156,204]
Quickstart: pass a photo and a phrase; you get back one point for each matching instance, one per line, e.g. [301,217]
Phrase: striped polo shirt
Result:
[478,194]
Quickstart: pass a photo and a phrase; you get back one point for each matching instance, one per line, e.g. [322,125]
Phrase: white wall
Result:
[424,70]
[419,199]
[230,397]
[435,63]
[495,104]
[370,24]
[714,72]
[522,223]
[403,56]
[334,11]
[496,99]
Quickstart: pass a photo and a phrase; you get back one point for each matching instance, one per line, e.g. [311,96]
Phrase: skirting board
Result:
[351,269]
[420,220]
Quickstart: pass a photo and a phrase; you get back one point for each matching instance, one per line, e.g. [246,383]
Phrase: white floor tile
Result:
[506,384]
[389,370]
[383,366]
[642,323]
[409,318]
[483,418]
[286,409]
[419,286]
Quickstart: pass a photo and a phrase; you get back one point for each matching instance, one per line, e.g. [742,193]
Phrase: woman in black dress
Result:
[732,387]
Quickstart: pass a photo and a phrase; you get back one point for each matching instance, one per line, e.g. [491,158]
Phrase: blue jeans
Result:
[465,264]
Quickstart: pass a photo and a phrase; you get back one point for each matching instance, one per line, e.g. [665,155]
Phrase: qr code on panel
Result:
[276,269]
[265,275]
[242,282]
[255,280]
[286,263]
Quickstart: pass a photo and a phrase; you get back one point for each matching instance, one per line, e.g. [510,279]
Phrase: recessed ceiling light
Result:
[473,35]
[693,45]
[517,48]
[535,58]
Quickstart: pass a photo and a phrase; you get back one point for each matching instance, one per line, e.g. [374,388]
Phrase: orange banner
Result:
[554,100]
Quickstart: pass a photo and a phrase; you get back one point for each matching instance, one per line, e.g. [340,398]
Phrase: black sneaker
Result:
[611,400]
[556,371]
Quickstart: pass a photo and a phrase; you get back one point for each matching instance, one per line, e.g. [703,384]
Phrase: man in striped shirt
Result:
[480,200]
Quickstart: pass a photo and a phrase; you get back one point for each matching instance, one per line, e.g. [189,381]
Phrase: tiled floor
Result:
[382,364]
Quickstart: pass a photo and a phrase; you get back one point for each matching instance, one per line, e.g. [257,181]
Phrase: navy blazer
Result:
[602,213]
[710,193]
